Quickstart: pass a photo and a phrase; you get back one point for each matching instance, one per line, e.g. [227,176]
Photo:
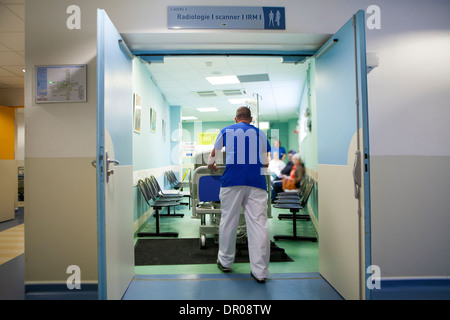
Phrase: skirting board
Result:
[59,291]
[413,289]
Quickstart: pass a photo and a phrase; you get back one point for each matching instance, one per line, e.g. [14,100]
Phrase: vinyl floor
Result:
[298,280]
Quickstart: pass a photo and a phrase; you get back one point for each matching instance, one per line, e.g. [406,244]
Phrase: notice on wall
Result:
[64,83]
[212,17]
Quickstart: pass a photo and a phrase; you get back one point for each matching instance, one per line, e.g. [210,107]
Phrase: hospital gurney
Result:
[205,189]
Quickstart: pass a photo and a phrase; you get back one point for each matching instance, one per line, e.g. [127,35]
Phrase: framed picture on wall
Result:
[60,83]
[137,113]
[153,120]
[163,129]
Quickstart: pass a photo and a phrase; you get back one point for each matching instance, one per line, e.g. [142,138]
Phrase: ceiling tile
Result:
[6,73]
[16,70]
[13,40]
[18,9]
[11,59]
[9,21]
[16,82]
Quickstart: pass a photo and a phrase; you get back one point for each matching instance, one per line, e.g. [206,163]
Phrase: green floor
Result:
[304,253]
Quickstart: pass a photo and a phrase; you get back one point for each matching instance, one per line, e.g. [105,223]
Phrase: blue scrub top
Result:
[281,151]
[244,146]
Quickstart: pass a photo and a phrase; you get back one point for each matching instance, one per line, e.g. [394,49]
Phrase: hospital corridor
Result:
[193,153]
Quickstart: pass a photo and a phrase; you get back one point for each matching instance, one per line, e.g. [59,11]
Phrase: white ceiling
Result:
[12,43]
[180,78]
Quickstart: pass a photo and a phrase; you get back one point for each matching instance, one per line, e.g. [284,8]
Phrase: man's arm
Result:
[212,160]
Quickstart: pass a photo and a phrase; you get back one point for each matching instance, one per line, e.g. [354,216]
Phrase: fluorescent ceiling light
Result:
[207,109]
[222,80]
[264,125]
[189,118]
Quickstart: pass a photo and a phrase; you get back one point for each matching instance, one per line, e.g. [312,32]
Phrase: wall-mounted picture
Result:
[153,120]
[137,113]
[163,129]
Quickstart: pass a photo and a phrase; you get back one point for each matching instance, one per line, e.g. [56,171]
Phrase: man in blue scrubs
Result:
[243,186]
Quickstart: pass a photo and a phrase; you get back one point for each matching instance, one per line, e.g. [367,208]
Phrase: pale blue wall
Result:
[149,149]
[308,144]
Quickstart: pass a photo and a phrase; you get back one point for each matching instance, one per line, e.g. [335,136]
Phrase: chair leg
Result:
[171,215]
[294,231]
[157,233]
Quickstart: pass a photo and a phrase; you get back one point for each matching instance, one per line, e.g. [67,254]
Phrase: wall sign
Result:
[63,83]
[204,17]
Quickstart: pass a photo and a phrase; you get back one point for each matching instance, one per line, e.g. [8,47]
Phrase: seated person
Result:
[288,167]
[277,149]
[295,176]
[275,167]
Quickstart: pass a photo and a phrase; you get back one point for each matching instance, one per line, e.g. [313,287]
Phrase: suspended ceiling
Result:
[278,86]
[12,43]
[182,79]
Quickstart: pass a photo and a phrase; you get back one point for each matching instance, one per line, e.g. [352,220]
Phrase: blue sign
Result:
[201,17]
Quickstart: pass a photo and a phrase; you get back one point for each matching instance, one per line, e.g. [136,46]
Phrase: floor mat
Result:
[187,251]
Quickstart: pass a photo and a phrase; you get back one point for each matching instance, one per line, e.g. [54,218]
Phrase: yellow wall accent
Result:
[207,138]
[7,135]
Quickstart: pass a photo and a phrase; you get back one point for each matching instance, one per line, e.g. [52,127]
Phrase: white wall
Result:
[60,200]
[409,145]
[408,95]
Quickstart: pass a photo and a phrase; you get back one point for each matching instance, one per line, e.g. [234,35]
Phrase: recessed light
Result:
[207,109]
[222,80]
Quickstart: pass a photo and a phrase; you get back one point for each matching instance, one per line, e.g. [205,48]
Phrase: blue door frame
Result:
[361,82]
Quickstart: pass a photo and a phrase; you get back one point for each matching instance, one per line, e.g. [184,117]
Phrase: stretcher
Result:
[205,189]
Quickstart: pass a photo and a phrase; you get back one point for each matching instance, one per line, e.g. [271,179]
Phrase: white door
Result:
[342,138]
[114,162]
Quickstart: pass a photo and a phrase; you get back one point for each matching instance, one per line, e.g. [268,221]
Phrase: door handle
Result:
[108,161]
[357,173]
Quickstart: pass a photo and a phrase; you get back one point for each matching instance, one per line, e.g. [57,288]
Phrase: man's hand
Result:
[213,167]
[212,160]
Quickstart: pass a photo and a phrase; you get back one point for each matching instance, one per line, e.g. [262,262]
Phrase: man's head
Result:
[290,154]
[243,114]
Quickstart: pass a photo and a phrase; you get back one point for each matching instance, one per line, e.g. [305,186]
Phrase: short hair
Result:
[292,152]
[243,113]
[298,157]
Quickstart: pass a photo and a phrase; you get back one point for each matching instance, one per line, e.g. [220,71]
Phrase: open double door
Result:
[342,125]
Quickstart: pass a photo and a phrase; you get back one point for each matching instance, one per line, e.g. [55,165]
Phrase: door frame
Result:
[362,82]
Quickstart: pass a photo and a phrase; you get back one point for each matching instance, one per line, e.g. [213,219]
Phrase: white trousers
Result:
[254,202]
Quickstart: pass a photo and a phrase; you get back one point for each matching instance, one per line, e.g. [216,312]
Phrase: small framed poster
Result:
[163,130]
[153,120]
[60,83]
[137,113]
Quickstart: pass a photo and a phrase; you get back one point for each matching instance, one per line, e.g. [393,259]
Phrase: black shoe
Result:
[259,280]
[221,267]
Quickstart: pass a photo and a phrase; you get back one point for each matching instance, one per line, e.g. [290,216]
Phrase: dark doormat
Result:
[187,251]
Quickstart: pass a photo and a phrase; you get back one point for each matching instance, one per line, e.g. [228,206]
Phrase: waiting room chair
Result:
[157,205]
[295,205]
